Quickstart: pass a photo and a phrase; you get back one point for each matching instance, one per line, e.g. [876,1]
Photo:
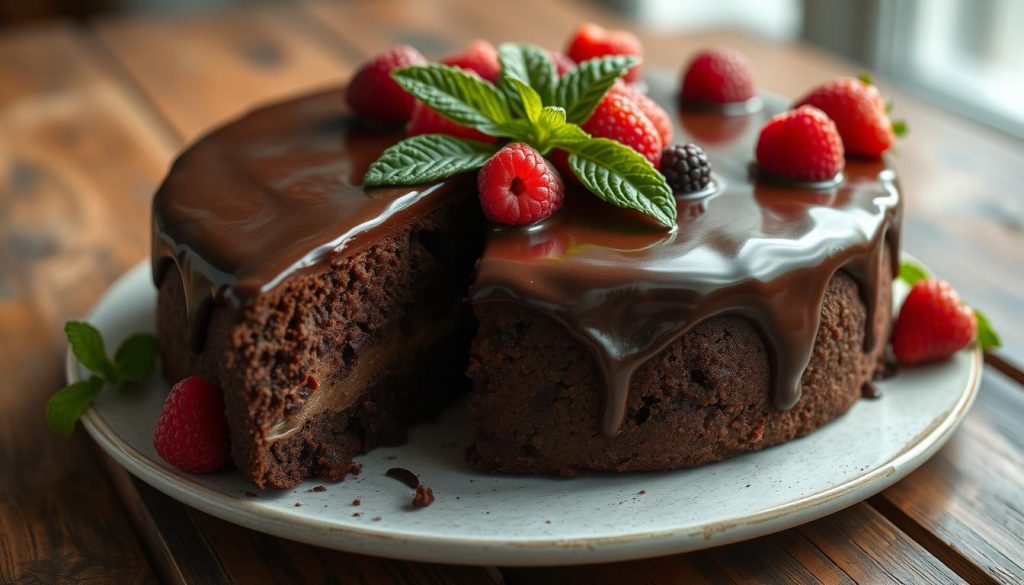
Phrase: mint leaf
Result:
[911,272]
[87,345]
[64,408]
[622,176]
[135,359]
[987,336]
[530,64]
[900,128]
[457,95]
[581,89]
[864,77]
[528,98]
[426,158]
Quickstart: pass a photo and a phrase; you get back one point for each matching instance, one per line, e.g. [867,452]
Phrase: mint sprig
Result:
[134,361]
[529,104]
[912,273]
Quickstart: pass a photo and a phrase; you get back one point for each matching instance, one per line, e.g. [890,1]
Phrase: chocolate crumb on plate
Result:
[356,502]
[424,496]
[298,504]
[376,518]
[642,492]
[404,475]
[318,489]
[250,495]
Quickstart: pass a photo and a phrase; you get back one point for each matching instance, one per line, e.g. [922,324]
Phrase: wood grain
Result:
[856,545]
[77,165]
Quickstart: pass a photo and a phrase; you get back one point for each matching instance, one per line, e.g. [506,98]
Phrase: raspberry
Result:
[191,432]
[718,76]
[655,113]
[427,121]
[480,57]
[371,91]
[801,144]
[591,41]
[686,168]
[933,324]
[518,187]
[859,113]
[563,64]
[619,118]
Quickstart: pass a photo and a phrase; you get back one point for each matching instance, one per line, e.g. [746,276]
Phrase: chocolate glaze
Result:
[277,193]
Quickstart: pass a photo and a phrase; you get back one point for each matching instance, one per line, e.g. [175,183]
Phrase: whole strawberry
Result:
[372,93]
[717,76]
[655,113]
[619,118]
[426,121]
[591,41]
[480,57]
[933,324]
[191,432]
[802,145]
[518,187]
[858,110]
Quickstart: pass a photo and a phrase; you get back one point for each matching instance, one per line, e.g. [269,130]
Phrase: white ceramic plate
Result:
[508,520]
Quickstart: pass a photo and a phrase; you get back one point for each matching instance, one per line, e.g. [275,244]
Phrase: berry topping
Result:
[718,76]
[426,121]
[480,57]
[563,64]
[933,324]
[518,187]
[619,118]
[655,113]
[858,111]
[802,145]
[374,94]
[192,432]
[592,41]
[686,168]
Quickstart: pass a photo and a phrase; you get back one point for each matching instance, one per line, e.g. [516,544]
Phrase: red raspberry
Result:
[591,41]
[718,76]
[858,110]
[191,432]
[802,145]
[371,91]
[563,64]
[655,113]
[480,57]
[933,324]
[620,118]
[518,187]
[427,121]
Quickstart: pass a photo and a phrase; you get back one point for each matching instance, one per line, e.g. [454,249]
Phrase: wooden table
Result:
[90,117]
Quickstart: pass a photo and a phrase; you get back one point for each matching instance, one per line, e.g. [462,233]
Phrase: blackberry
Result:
[686,168]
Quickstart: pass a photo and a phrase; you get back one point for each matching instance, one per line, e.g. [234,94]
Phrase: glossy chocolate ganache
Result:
[278,192]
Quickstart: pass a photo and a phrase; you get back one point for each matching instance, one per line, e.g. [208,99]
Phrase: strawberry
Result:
[858,110]
[591,41]
[718,76]
[655,113]
[619,118]
[800,144]
[191,432]
[933,324]
[373,94]
[480,57]
[426,121]
[518,187]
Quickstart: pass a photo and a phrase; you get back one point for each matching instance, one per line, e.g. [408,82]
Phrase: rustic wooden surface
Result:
[90,117]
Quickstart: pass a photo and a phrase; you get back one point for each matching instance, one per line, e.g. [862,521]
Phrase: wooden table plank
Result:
[77,166]
[967,503]
[856,545]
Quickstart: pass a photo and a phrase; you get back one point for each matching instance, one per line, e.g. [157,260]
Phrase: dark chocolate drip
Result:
[404,475]
[277,193]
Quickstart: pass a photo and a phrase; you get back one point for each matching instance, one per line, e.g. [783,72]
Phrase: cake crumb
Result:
[298,504]
[250,495]
[547,521]
[424,496]
[357,502]
[376,518]
[317,489]
[357,514]
[642,492]
[391,457]
[403,475]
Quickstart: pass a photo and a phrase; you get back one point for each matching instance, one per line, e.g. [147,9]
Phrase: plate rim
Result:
[543,551]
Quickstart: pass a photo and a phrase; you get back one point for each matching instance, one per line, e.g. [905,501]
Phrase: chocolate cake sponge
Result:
[536,404]
[385,331]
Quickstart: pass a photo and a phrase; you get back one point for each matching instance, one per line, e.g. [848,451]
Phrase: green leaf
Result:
[911,272]
[622,176]
[864,77]
[136,357]
[889,105]
[899,128]
[530,100]
[457,95]
[530,64]
[425,158]
[87,345]
[64,408]
[581,89]
[987,336]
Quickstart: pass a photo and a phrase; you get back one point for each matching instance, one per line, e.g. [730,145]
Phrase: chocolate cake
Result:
[332,317]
